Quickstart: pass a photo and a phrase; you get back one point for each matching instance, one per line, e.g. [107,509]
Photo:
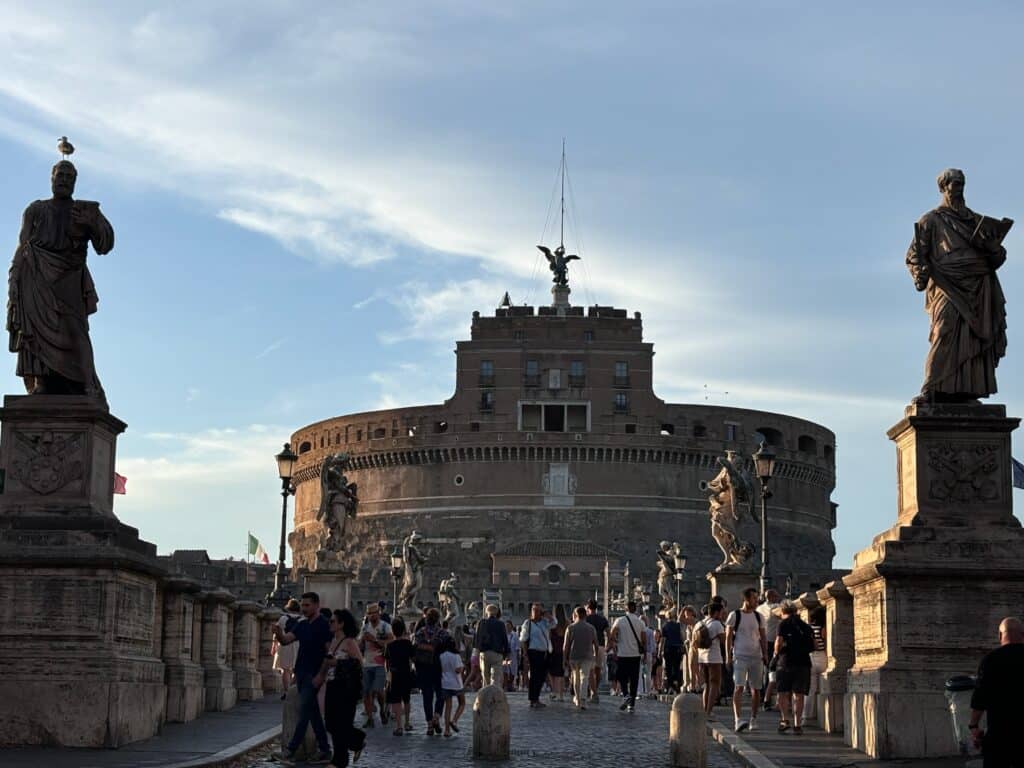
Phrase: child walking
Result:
[451,686]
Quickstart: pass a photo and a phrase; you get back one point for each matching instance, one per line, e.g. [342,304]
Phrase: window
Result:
[554,418]
[554,573]
[529,417]
[621,402]
[631,429]
[668,429]
[588,335]
[487,401]
[621,374]
[768,436]
[486,373]
[730,432]
[440,426]
[474,426]
[829,452]
[359,435]
[380,432]
[554,378]
[576,377]
[807,444]
[576,418]
[551,417]
[699,430]
[532,374]
[305,447]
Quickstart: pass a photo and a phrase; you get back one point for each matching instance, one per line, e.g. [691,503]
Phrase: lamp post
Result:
[396,574]
[764,465]
[285,465]
[680,567]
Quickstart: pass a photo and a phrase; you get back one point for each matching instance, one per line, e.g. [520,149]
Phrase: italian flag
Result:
[257,551]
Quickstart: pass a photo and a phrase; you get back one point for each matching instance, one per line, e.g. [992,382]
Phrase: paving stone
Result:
[556,737]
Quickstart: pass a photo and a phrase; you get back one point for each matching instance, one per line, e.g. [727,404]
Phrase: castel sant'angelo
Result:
[554,456]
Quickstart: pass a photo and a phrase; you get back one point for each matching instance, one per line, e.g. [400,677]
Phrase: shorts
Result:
[373,679]
[794,680]
[449,693]
[748,671]
[602,658]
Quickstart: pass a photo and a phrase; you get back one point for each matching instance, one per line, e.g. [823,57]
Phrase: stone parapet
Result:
[271,677]
[218,634]
[185,679]
[245,651]
[838,604]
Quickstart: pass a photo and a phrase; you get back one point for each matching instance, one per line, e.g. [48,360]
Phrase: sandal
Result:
[397,732]
[783,726]
[408,727]
[454,727]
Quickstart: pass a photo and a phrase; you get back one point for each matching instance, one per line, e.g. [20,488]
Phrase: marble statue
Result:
[667,572]
[729,493]
[448,598]
[412,581]
[50,291]
[953,259]
[558,263]
[338,499]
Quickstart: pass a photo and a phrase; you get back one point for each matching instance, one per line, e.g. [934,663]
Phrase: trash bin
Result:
[958,694]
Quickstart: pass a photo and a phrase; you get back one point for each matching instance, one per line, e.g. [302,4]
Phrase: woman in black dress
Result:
[343,670]
[398,659]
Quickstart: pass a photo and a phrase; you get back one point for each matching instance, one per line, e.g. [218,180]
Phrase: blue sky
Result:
[311,199]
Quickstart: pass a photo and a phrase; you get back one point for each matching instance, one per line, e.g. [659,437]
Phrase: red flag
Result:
[120,481]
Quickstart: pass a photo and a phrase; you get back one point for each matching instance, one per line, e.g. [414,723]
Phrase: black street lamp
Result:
[285,466]
[764,466]
[396,574]
[680,567]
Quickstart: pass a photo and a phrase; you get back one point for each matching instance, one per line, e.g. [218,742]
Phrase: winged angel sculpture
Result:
[730,493]
[558,263]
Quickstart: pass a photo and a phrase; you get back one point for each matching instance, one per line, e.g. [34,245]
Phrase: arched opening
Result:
[830,452]
[305,447]
[554,572]
[668,429]
[699,430]
[807,444]
[768,436]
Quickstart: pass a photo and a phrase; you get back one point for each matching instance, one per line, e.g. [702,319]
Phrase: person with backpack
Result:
[343,673]
[747,650]
[629,639]
[709,636]
[428,641]
[793,647]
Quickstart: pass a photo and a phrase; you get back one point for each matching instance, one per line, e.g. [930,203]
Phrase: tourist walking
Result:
[819,660]
[649,665]
[998,695]
[709,637]
[430,638]
[398,662]
[284,655]
[628,638]
[556,661]
[375,638]
[313,634]
[672,652]
[771,614]
[747,651]
[600,624]
[452,685]
[579,649]
[512,660]
[491,642]
[535,638]
[691,667]
[793,646]
[342,671]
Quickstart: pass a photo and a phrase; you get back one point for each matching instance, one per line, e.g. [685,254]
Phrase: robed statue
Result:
[50,291]
[448,598]
[338,499]
[667,552]
[412,580]
[730,495]
[953,259]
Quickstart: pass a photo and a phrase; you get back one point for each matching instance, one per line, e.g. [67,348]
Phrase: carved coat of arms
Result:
[46,462]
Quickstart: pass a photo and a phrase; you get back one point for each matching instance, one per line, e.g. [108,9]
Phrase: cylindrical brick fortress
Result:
[554,456]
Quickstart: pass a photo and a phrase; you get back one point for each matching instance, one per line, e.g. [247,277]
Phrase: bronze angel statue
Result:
[558,263]
[338,499]
[730,493]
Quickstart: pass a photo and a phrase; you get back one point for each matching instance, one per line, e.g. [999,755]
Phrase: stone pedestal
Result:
[245,652]
[333,585]
[79,591]
[838,605]
[185,692]
[492,730]
[730,585]
[687,734]
[929,593]
[808,603]
[560,298]
[270,677]
[218,619]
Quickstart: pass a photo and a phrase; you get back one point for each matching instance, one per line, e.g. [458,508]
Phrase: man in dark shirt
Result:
[672,652]
[1000,693]
[600,625]
[793,646]
[312,633]
[492,641]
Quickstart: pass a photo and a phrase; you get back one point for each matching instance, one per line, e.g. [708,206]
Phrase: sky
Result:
[311,199]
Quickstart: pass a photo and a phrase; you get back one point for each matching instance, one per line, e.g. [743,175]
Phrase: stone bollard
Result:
[687,734]
[290,716]
[492,733]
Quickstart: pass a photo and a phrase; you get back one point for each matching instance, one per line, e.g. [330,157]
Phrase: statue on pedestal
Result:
[667,572]
[338,500]
[412,581]
[448,598]
[729,493]
[953,259]
[50,291]
[558,263]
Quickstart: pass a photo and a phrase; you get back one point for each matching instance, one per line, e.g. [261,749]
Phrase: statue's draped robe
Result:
[51,293]
[965,302]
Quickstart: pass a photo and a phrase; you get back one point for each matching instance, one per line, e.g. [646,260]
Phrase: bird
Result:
[65,147]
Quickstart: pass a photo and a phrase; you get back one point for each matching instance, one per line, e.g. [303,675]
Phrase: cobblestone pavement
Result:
[556,737]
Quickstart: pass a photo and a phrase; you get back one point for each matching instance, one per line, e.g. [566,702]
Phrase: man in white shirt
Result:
[711,659]
[535,635]
[375,637]
[629,640]
[746,650]
[771,612]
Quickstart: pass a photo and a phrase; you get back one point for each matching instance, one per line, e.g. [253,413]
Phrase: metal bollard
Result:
[492,732]
[687,734]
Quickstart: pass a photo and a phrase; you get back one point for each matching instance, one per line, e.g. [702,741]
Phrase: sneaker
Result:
[408,727]
[741,725]
[356,754]
[623,706]
[783,726]
[630,707]
[798,729]
[753,724]
[284,757]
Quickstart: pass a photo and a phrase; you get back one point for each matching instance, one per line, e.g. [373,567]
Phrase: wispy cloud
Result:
[270,348]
